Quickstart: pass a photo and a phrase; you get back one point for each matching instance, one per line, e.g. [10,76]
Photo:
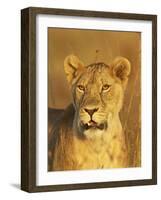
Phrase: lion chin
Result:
[94,134]
[92,129]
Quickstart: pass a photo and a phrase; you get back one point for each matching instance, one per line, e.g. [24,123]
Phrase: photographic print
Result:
[94,99]
[88,99]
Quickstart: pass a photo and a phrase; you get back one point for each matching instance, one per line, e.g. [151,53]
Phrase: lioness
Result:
[89,134]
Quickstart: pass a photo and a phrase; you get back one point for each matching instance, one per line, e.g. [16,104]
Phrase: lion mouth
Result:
[93,125]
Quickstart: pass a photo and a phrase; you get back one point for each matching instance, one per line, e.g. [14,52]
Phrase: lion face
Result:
[97,93]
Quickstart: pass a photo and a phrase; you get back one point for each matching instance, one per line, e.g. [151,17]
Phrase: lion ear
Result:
[121,68]
[72,65]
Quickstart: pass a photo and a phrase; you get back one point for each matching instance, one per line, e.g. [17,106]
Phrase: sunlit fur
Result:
[77,143]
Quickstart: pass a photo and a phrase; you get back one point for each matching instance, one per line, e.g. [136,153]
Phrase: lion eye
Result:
[105,87]
[81,88]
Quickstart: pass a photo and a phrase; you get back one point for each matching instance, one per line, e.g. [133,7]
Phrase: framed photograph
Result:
[89,99]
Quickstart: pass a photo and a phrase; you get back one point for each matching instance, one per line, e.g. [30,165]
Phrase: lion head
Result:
[97,93]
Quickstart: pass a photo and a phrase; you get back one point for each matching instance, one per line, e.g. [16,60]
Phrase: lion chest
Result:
[100,154]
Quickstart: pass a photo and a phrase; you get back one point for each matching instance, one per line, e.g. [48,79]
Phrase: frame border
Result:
[28,98]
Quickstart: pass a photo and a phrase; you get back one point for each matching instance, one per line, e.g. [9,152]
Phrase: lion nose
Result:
[91,111]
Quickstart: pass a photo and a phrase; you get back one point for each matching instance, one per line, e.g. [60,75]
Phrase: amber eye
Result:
[105,87]
[81,88]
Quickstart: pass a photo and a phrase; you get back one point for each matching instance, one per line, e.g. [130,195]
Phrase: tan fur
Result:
[78,144]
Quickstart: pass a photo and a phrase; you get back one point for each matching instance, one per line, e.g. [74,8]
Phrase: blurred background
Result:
[108,44]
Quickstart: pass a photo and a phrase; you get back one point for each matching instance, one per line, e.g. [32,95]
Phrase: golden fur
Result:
[89,134]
